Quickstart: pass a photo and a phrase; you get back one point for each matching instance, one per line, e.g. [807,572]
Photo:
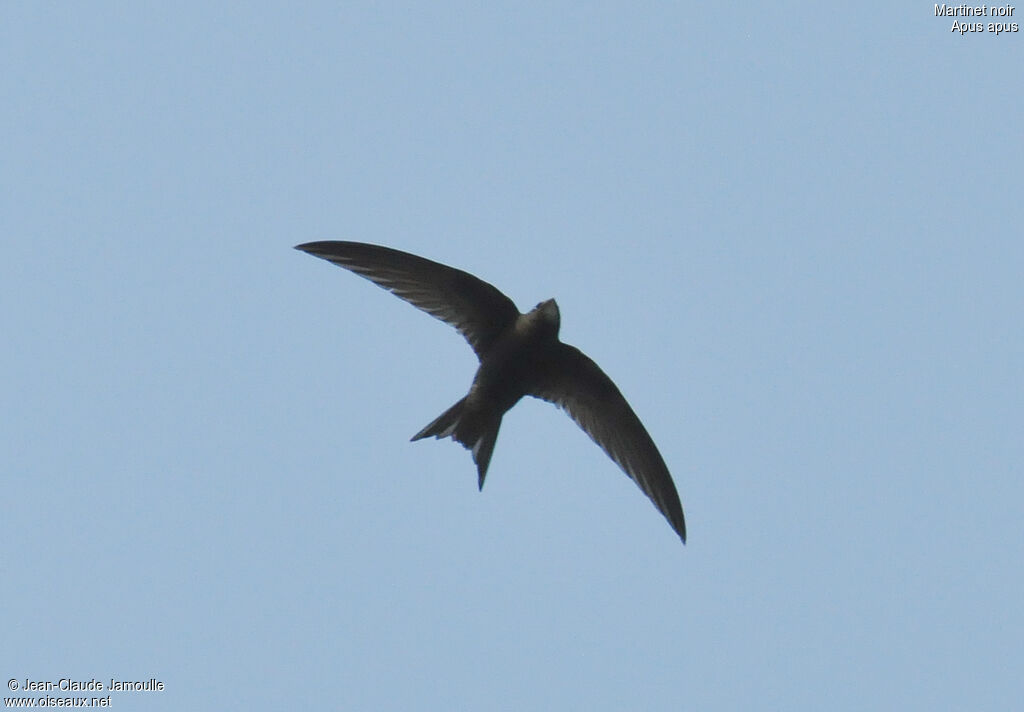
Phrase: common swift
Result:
[520,354]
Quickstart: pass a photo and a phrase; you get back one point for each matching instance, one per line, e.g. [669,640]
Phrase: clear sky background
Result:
[791,233]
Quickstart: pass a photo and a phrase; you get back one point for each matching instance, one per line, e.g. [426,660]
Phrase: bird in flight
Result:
[520,355]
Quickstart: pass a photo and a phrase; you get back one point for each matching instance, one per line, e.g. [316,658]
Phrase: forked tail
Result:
[472,430]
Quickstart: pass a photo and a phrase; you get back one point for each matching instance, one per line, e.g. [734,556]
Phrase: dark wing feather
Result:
[574,382]
[477,309]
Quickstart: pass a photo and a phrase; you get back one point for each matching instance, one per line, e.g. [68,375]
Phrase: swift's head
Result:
[544,318]
[549,314]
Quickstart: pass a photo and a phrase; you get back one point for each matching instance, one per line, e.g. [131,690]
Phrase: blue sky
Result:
[790,233]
